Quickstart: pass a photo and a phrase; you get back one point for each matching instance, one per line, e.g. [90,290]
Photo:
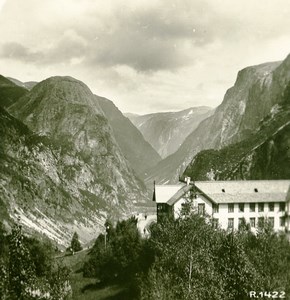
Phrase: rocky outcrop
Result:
[256,91]
[66,166]
[264,155]
[166,131]
[137,151]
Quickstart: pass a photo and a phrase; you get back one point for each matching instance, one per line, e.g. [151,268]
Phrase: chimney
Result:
[187,179]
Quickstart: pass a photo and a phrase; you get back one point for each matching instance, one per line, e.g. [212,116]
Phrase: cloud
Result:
[17,51]
[153,54]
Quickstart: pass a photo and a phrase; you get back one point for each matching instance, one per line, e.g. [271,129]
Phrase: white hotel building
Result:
[229,203]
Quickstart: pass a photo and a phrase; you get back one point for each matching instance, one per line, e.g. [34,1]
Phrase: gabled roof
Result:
[163,193]
[181,192]
[243,191]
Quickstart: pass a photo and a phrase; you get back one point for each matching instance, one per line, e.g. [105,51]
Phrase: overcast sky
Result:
[146,56]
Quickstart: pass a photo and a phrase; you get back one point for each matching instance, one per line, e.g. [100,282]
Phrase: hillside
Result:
[137,151]
[166,131]
[9,92]
[65,165]
[264,155]
[256,92]
[27,85]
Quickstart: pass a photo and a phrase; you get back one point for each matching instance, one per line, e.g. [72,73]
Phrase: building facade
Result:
[230,204]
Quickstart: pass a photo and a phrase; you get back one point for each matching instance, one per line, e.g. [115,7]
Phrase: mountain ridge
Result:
[166,131]
[256,90]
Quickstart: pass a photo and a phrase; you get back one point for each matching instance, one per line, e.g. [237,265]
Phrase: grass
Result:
[91,288]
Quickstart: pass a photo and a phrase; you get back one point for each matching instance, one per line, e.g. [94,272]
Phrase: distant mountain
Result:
[27,85]
[257,90]
[66,165]
[166,131]
[137,151]
[9,92]
[264,155]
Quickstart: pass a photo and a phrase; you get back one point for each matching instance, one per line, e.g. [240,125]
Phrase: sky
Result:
[144,55]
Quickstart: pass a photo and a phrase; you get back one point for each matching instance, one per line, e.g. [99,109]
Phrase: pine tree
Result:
[75,243]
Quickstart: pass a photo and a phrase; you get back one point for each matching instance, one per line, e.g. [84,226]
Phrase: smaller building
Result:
[229,203]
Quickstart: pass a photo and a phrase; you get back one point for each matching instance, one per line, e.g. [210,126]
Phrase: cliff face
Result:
[68,160]
[137,151]
[166,131]
[264,155]
[256,91]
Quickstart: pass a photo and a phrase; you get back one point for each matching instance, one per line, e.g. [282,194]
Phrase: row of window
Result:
[252,207]
[254,222]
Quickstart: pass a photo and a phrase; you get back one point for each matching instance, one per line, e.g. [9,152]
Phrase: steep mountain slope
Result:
[264,155]
[256,91]
[167,131]
[27,85]
[84,161]
[9,92]
[137,151]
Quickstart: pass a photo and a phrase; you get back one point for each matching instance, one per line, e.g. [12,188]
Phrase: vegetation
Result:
[27,269]
[185,258]
[75,244]
[190,259]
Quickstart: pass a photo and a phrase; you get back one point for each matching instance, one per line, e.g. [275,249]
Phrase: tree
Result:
[75,243]
[21,272]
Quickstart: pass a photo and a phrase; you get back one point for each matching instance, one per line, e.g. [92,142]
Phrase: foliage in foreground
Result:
[189,259]
[27,271]
[195,261]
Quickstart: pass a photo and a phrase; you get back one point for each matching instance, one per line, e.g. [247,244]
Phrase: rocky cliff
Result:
[166,131]
[256,92]
[137,151]
[66,163]
[264,155]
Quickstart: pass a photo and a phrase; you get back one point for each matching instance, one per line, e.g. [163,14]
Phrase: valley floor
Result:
[90,288]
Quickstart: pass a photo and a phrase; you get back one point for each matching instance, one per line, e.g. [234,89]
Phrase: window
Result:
[271,222]
[231,207]
[241,207]
[201,208]
[260,206]
[230,223]
[253,222]
[256,190]
[281,206]
[223,190]
[271,206]
[252,207]
[215,223]
[215,208]
[261,221]
[159,207]
[282,221]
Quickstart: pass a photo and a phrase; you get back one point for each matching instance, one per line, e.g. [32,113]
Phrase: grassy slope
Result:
[90,288]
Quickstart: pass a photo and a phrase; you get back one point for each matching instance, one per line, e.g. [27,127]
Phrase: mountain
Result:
[137,151]
[9,92]
[255,93]
[64,163]
[264,155]
[27,85]
[166,131]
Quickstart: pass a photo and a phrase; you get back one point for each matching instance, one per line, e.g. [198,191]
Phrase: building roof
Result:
[245,191]
[228,191]
[164,192]
[179,194]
